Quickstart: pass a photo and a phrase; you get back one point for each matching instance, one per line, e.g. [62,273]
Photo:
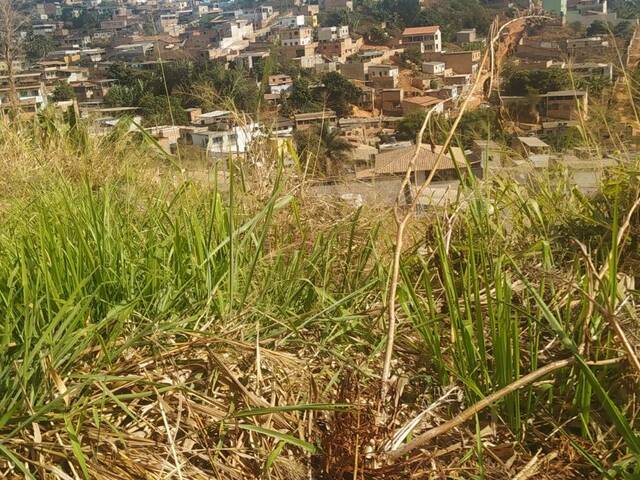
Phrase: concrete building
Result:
[333,5]
[233,140]
[383,76]
[306,120]
[434,68]
[564,104]
[291,21]
[466,62]
[295,37]
[279,84]
[333,33]
[466,36]
[29,90]
[339,49]
[428,39]
[422,104]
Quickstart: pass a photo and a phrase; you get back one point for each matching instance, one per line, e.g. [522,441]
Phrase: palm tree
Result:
[325,147]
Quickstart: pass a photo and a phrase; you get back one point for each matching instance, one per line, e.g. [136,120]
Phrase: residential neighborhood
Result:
[222,75]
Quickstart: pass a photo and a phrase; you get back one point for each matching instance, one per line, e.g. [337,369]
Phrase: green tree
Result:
[411,56]
[159,110]
[475,124]
[623,30]
[36,47]
[62,91]
[410,125]
[563,139]
[324,149]
[300,98]
[340,94]
[531,82]
[174,75]
[377,35]
[229,88]
[597,27]
[124,95]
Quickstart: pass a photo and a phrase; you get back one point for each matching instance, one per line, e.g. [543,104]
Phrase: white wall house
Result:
[235,140]
[434,68]
[291,21]
[428,38]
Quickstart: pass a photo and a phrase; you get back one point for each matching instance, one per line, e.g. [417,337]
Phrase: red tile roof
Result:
[430,30]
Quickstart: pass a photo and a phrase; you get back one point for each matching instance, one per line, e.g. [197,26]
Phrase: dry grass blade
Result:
[425,438]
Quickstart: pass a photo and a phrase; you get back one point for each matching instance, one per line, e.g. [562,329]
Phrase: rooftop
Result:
[397,160]
[424,100]
[430,30]
[215,114]
[533,142]
[314,115]
[565,93]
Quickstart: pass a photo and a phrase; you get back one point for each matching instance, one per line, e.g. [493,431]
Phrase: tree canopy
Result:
[531,82]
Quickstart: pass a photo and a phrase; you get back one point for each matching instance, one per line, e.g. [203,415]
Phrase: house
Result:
[466,36]
[383,76]
[306,120]
[18,65]
[534,150]
[434,68]
[132,51]
[357,66]
[488,153]
[89,91]
[539,49]
[426,38]
[55,71]
[29,90]
[291,21]
[167,136]
[232,35]
[167,22]
[447,92]
[592,69]
[233,140]
[326,67]
[461,79]
[422,103]
[339,49]
[333,33]
[564,105]
[389,101]
[333,5]
[583,48]
[307,59]
[429,157]
[249,59]
[295,37]
[279,84]
[466,62]
[310,13]
[43,28]
[218,119]
[103,120]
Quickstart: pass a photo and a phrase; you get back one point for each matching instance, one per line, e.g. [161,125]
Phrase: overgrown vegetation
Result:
[233,329]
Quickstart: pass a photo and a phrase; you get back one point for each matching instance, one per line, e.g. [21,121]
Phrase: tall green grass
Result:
[269,300]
